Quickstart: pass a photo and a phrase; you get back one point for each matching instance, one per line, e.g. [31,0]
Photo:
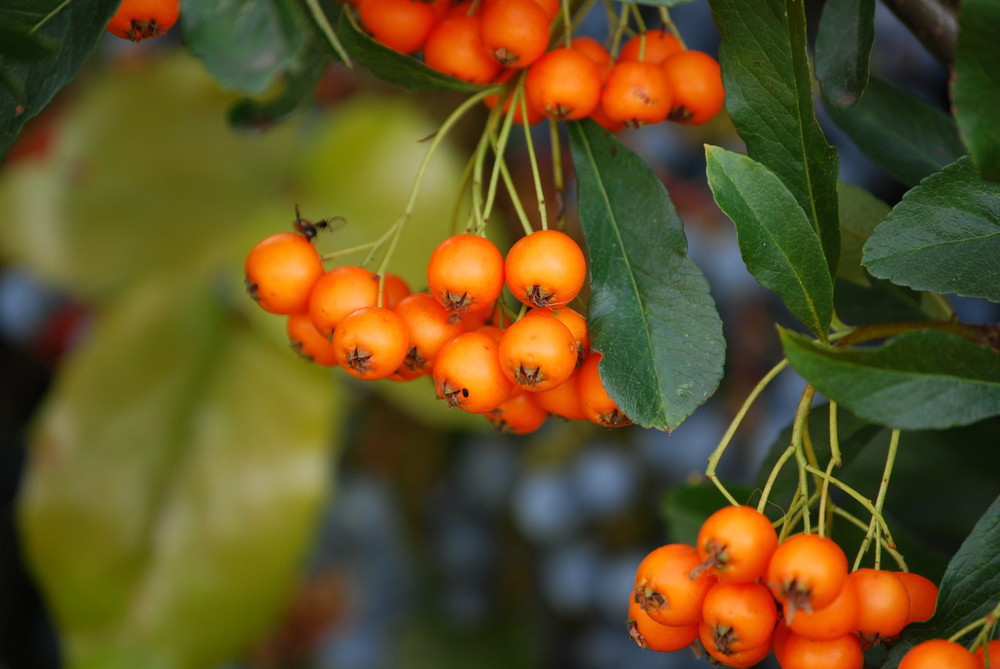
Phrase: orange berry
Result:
[394,289]
[545,269]
[591,47]
[465,273]
[664,588]
[280,272]
[736,544]
[806,573]
[538,353]
[563,400]
[339,292]
[834,620]
[402,25]
[573,320]
[563,84]
[519,414]
[937,654]
[799,652]
[883,604]
[738,616]
[651,635]
[306,340]
[371,343]
[427,321]
[636,93]
[696,82]
[455,47]
[467,373]
[515,32]
[653,45]
[993,647]
[923,596]
[598,405]
[141,19]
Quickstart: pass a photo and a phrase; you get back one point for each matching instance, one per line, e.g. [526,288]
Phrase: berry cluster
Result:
[740,594]
[651,77]
[514,368]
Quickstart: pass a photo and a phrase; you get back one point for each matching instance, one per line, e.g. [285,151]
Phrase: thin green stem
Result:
[862,500]
[801,423]
[861,525]
[558,180]
[515,199]
[877,517]
[984,624]
[773,476]
[669,23]
[722,488]
[835,454]
[824,498]
[499,146]
[535,175]
[333,255]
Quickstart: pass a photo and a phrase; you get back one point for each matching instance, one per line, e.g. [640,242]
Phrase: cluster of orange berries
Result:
[515,371]
[652,78]
[739,594]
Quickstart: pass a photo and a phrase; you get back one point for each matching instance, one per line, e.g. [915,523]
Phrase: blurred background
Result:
[187,489]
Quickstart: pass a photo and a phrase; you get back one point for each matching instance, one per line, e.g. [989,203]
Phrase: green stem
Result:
[877,517]
[860,499]
[533,160]
[773,476]
[515,199]
[800,424]
[558,182]
[980,334]
[861,525]
[835,454]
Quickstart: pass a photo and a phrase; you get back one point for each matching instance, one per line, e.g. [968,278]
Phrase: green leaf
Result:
[297,91]
[860,213]
[650,311]
[244,44]
[976,85]
[899,131]
[74,26]
[765,71]
[17,43]
[878,302]
[390,65]
[918,380]
[944,236]
[779,246]
[175,476]
[843,47]
[968,591]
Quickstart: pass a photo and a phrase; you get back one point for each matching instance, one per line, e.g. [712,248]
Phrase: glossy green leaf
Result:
[780,248]
[650,311]
[944,236]
[968,590]
[919,380]
[391,66]
[976,86]
[860,213]
[244,44]
[75,26]
[765,71]
[899,131]
[175,476]
[843,48]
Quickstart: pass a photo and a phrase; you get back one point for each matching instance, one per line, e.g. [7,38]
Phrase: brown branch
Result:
[933,22]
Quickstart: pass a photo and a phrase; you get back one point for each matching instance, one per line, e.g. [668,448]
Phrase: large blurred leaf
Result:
[976,86]
[650,311]
[392,66]
[768,85]
[899,131]
[69,29]
[843,47]
[944,236]
[175,475]
[918,380]
[968,590]
[780,248]
[245,44]
[144,176]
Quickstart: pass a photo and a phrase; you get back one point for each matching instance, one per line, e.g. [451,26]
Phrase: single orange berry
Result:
[427,321]
[651,635]
[573,320]
[467,373]
[137,20]
[736,544]
[938,653]
[339,292]
[806,573]
[652,46]
[591,47]
[371,343]
[394,289]
[563,400]
[545,269]
[598,405]
[636,93]
[664,588]
[280,272]
[538,353]
[883,604]
[455,47]
[563,84]
[402,25]
[739,616]
[834,620]
[307,341]
[696,83]
[923,596]
[519,414]
[799,652]
[992,649]
[465,273]
[515,32]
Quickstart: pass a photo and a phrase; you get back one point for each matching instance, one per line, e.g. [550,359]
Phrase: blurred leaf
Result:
[144,176]
[392,66]
[780,248]
[968,590]
[899,131]
[843,47]
[918,380]
[878,302]
[650,311]
[860,213]
[245,44]
[72,28]
[175,476]
[296,91]
[685,507]
[768,85]
[943,236]
[975,87]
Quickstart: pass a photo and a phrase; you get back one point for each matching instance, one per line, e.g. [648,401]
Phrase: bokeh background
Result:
[162,452]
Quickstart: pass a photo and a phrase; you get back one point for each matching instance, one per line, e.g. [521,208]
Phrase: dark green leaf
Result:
[685,508]
[919,380]
[899,131]
[860,213]
[768,85]
[391,66]
[650,311]
[843,46]
[968,591]
[245,44]
[976,86]
[779,246]
[297,91]
[943,236]
[878,302]
[176,473]
[16,43]
[75,27]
